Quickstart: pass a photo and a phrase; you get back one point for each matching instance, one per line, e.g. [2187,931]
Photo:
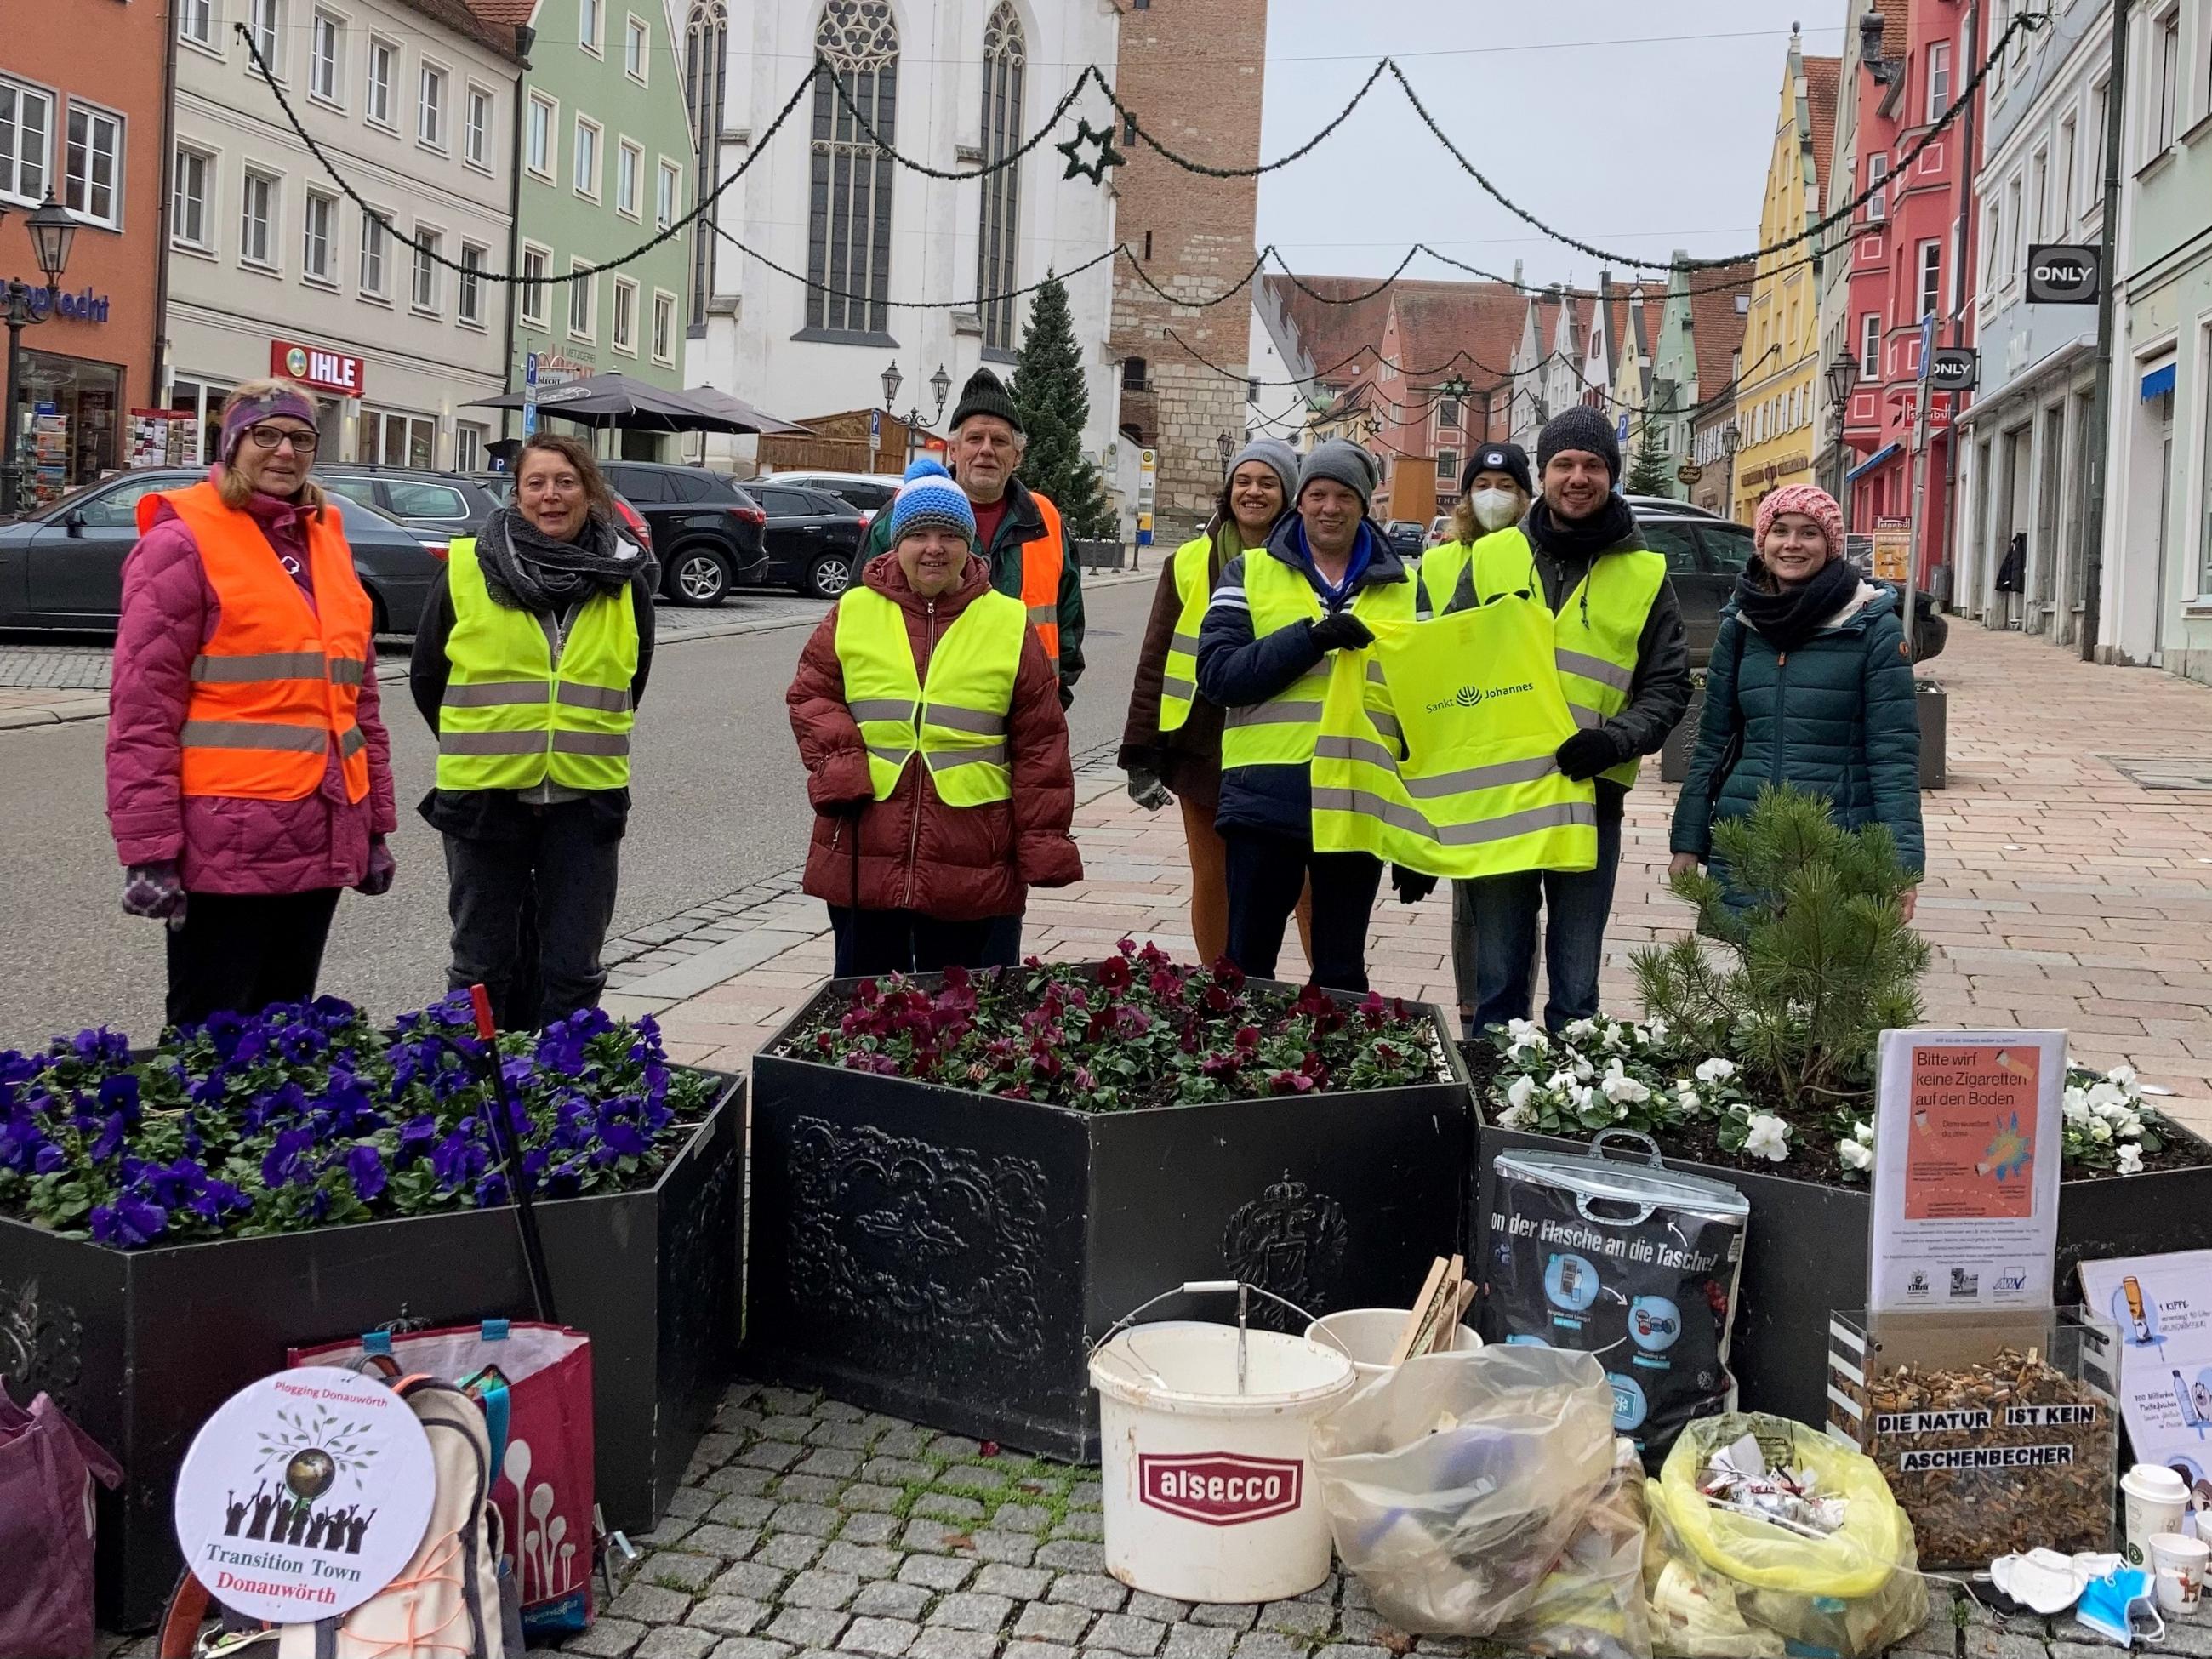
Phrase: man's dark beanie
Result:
[1579,428]
[985,394]
[1497,458]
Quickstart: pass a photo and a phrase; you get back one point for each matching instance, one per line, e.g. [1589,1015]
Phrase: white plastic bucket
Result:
[1209,1493]
[1370,1335]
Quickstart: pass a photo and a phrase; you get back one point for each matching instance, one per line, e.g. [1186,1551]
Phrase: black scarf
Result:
[1569,541]
[1787,616]
[526,569]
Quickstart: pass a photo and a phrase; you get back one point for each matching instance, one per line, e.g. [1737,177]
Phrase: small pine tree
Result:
[1823,960]
[1647,469]
[1056,405]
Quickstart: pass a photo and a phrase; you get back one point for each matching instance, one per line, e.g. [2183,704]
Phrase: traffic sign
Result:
[2063,274]
[530,394]
[1956,368]
[1927,343]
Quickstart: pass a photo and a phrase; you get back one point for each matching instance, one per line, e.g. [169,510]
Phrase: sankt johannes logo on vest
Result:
[1467,696]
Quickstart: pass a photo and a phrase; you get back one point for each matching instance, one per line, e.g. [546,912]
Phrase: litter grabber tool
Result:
[501,1123]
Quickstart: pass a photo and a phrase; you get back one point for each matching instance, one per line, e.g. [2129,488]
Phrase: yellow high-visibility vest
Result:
[1596,626]
[956,722]
[511,719]
[1282,731]
[1441,568]
[1193,580]
[1459,780]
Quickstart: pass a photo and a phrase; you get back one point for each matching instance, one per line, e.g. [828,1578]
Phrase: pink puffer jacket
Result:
[222,844]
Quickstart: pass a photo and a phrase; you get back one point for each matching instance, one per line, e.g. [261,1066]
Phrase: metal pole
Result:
[1919,477]
[11,476]
[2100,403]
[1969,52]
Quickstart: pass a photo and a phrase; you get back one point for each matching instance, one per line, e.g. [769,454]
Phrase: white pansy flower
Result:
[1717,1070]
[1854,1154]
[2124,1076]
[2108,1093]
[2074,1102]
[1769,1137]
[1579,1096]
[1522,1091]
[1577,1029]
[1863,1131]
[1558,1083]
[1655,1032]
[1514,1117]
[2131,1160]
[1527,1039]
[2099,1131]
[1583,1069]
[1621,1089]
[2128,1126]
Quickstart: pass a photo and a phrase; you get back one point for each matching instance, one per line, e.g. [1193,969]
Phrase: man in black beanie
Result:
[1623,662]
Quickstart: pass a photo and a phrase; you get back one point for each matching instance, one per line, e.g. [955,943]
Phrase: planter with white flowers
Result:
[1755,1066]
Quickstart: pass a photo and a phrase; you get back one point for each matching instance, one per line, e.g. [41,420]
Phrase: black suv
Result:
[1705,555]
[813,538]
[709,534]
[436,505]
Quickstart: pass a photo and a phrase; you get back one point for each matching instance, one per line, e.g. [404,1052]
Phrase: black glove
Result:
[1411,885]
[1340,631]
[1586,754]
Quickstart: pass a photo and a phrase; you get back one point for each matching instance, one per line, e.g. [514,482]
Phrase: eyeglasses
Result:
[268,437]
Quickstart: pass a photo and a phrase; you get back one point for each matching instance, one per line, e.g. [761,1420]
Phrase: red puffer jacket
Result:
[957,863]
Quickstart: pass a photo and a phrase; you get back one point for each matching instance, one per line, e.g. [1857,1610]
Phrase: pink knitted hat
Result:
[1814,502]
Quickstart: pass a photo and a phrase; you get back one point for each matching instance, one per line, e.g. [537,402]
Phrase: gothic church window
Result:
[704,38]
[1005,56]
[848,250]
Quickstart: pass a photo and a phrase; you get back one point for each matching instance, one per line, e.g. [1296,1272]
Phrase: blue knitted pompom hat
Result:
[929,499]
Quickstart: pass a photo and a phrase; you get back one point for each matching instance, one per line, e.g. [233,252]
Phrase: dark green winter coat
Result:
[1835,718]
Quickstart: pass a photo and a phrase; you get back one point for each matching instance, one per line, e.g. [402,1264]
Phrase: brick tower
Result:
[1192,71]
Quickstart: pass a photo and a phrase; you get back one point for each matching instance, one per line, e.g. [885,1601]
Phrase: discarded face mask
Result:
[2108,1605]
[2042,1580]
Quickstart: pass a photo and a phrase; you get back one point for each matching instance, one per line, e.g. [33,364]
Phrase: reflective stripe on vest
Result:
[1044,558]
[1471,789]
[1193,565]
[279,682]
[1281,730]
[1596,643]
[510,717]
[958,721]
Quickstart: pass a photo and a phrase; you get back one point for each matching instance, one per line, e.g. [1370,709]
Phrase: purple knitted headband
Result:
[252,409]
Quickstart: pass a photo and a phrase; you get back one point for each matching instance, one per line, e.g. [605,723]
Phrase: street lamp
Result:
[892,381]
[940,385]
[1227,446]
[51,232]
[1731,440]
[1842,376]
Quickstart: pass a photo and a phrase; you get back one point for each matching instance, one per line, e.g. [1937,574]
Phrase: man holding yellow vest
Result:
[936,752]
[530,659]
[1624,664]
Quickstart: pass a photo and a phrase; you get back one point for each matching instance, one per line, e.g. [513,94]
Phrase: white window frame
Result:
[1939,77]
[663,340]
[2039,207]
[469,439]
[475,136]
[1877,180]
[629,151]
[582,125]
[376,240]
[390,49]
[1992,225]
[265,20]
[469,293]
[531,304]
[271,227]
[2100,95]
[2014,220]
[2164,76]
[591,25]
[1924,301]
[210,194]
[588,286]
[1870,346]
[203,13]
[327,276]
[13,191]
[550,109]
[625,288]
[2069,157]
[433,87]
[634,29]
[667,193]
[420,266]
[117,152]
[326,89]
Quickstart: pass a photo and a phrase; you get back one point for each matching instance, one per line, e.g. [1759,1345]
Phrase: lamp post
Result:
[940,385]
[51,232]
[1731,440]
[1227,447]
[1842,376]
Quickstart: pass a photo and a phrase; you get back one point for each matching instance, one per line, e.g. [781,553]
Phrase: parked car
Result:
[1440,530]
[500,486]
[436,505]
[63,568]
[1705,555]
[709,534]
[813,538]
[871,492]
[1406,536]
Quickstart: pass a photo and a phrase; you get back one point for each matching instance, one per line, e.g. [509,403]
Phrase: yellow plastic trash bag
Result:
[1850,1593]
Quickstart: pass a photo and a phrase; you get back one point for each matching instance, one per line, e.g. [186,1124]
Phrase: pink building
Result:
[1908,255]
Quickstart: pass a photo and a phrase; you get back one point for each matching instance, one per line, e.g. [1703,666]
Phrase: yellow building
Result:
[1778,403]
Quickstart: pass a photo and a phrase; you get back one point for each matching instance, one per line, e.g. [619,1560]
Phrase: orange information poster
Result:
[1965,1173]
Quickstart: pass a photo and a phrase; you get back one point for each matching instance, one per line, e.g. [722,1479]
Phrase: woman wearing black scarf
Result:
[1810,685]
[529,663]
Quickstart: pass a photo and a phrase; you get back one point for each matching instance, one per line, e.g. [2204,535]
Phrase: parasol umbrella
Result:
[619,400]
[715,401]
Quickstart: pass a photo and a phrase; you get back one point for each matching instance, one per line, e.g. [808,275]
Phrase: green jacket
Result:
[1023,523]
[1837,717]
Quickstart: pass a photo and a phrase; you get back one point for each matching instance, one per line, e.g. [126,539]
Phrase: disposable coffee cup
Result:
[2178,1565]
[2153,1501]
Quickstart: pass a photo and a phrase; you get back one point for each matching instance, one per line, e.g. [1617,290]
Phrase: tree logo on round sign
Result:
[1219,1489]
[296,363]
[304,1495]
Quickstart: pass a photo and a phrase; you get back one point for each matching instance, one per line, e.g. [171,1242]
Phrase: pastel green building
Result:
[604,159]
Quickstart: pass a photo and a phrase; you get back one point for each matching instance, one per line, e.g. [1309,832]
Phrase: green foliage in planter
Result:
[1814,959]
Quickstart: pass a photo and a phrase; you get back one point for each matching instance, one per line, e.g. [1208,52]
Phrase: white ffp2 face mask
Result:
[1495,508]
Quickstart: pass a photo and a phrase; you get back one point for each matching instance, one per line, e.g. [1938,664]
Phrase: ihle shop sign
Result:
[1220,1489]
[318,366]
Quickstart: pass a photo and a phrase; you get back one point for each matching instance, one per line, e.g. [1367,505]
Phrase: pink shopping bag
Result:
[544,1486]
[47,1466]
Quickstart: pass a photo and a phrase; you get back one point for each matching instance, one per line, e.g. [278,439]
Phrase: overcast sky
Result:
[1658,143]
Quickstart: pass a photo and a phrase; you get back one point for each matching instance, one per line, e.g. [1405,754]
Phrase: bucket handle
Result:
[1236,1287]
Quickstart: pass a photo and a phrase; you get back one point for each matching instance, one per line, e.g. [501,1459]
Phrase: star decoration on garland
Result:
[1108,155]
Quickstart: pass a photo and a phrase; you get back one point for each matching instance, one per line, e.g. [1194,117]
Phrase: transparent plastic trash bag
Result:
[1454,1483]
[1592,1605]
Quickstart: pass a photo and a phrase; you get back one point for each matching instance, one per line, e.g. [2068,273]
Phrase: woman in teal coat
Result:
[1811,663]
